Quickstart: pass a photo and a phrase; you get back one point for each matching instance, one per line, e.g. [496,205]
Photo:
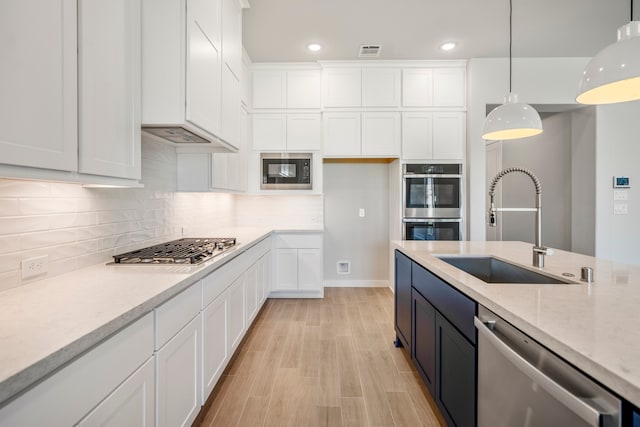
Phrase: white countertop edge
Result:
[26,376]
[602,374]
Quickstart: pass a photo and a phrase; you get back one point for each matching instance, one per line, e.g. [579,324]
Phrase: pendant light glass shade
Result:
[613,75]
[512,120]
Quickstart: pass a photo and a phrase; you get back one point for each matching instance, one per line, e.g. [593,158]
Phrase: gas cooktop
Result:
[181,251]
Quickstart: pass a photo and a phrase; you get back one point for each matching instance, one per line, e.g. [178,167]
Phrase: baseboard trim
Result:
[356,283]
[297,294]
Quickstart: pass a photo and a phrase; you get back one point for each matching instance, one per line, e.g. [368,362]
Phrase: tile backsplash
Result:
[77,226]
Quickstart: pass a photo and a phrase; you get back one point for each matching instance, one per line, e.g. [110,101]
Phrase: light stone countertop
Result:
[595,327]
[46,324]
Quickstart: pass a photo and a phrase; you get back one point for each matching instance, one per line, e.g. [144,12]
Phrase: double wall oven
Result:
[432,201]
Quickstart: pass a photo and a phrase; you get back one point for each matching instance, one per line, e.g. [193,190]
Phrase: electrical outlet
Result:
[35,266]
[361,212]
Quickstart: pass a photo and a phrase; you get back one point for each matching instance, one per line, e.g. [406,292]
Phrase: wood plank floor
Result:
[323,362]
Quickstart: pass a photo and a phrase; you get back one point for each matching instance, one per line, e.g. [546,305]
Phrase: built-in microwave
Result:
[285,171]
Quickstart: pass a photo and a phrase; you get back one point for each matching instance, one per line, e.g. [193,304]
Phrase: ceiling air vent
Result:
[370,50]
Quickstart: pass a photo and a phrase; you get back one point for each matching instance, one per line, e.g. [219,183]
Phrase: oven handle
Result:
[421,175]
[578,406]
[425,220]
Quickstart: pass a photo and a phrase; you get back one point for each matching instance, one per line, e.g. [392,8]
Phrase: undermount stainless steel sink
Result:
[492,270]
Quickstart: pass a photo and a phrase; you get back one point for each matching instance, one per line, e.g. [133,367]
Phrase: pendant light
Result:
[613,75]
[513,119]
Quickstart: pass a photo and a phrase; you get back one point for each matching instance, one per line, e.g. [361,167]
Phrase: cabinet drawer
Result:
[177,312]
[256,252]
[299,241]
[219,280]
[455,306]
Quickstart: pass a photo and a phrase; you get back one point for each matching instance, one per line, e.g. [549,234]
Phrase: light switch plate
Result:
[620,209]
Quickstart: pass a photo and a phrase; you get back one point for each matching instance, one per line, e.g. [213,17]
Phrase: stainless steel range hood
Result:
[187,138]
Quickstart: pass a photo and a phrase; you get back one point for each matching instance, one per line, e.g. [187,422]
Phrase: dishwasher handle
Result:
[578,406]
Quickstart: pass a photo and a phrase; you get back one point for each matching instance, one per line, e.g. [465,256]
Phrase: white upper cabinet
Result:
[303,131]
[433,136]
[417,136]
[232,36]
[203,67]
[341,134]
[230,115]
[381,87]
[303,88]
[342,87]
[286,89]
[434,87]
[269,131]
[417,87]
[269,89]
[71,96]
[38,123]
[109,87]
[448,135]
[381,134]
[449,88]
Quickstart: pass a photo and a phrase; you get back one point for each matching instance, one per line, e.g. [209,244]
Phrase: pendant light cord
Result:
[511,39]
[631,1]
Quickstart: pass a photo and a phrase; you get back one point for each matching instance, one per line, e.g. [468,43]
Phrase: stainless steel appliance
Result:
[180,251]
[432,201]
[431,228]
[521,383]
[285,171]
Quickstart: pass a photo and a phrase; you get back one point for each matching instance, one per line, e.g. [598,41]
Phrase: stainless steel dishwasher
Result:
[520,383]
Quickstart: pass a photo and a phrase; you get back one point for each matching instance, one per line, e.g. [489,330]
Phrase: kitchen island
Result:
[592,326]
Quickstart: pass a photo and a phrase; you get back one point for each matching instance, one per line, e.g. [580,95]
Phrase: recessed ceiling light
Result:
[314,47]
[448,45]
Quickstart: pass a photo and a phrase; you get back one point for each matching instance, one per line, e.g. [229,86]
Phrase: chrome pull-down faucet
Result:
[539,251]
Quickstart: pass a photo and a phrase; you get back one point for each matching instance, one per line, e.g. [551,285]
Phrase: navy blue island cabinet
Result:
[434,324]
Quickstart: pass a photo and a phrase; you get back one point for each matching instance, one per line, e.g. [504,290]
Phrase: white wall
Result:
[548,156]
[362,241]
[537,81]
[583,180]
[618,153]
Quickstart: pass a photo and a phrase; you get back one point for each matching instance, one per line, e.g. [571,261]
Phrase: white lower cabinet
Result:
[178,377]
[131,404]
[70,395]
[236,312]
[215,344]
[298,265]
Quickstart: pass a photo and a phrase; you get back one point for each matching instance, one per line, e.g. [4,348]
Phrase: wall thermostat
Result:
[621,182]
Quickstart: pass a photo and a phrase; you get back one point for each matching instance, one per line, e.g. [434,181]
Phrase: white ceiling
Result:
[279,30]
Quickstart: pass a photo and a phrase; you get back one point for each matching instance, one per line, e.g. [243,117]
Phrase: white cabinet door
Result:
[286,274]
[341,134]
[381,134]
[269,89]
[381,87]
[193,172]
[342,87]
[268,278]
[417,136]
[38,83]
[215,343]
[449,87]
[251,292]
[417,87]
[303,88]
[237,324]
[219,171]
[109,87]
[269,131]
[261,272]
[310,269]
[208,14]
[230,114]
[303,131]
[131,404]
[179,377]
[448,135]
[203,74]
[232,36]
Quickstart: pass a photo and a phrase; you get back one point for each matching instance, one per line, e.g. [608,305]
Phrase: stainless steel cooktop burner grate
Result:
[181,251]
